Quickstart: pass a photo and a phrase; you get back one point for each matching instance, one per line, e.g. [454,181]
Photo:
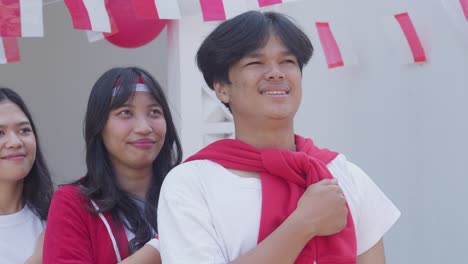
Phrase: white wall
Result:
[55,76]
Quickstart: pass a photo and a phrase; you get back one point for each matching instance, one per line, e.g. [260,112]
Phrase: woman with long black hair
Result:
[25,184]
[131,144]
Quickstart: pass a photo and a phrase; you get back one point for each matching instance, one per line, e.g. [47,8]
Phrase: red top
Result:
[284,176]
[74,235]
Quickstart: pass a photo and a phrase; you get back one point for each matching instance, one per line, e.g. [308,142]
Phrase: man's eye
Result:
[25,130]
[290,61]
[253,63]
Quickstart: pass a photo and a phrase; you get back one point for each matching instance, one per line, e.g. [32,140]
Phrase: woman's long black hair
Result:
[37,186]
[99,183]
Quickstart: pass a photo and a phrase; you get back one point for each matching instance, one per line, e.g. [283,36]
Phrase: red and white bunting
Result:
[21,18]
[336,45]
[9,50]
[161,9]
[403,36]
[89,15]
[219,10]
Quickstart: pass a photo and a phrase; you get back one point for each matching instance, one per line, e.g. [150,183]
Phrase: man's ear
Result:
[221,90]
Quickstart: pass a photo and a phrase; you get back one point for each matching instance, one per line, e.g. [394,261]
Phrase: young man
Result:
[269,196]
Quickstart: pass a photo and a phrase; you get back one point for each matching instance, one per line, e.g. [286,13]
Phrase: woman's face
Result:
[17,143]
[134,133]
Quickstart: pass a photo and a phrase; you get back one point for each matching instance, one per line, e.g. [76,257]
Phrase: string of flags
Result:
[24,18]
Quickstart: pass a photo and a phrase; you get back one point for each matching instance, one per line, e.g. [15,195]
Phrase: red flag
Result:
[9,50]
[411,36]
[329,45]
[213,10]
[263,3]
[10,18]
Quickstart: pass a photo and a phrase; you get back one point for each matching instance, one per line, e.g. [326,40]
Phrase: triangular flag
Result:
[21,18]
[404,37]
[89,15]
[9,50]
[336,45]
[160,9]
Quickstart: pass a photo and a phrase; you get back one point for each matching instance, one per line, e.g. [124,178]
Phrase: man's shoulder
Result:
[191,172]
[340,162]
[192,167]
[348,174]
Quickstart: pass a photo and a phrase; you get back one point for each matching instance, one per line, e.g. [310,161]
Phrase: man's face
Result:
[265,85]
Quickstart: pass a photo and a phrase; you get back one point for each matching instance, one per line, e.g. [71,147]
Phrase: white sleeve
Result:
[375,212]
[154,242]
[185,225]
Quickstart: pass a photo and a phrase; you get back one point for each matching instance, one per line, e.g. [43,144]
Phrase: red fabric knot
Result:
[285,175]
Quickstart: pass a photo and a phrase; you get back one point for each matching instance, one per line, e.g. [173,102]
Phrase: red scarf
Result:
[284,176]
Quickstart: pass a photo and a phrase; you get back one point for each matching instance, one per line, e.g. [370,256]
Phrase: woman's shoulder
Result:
[70,194]
[68,190]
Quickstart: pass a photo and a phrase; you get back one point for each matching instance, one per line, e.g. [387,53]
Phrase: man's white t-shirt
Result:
[18,235]
[207,214]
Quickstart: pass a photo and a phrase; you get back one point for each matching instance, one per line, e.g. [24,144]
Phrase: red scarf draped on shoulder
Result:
[284,176]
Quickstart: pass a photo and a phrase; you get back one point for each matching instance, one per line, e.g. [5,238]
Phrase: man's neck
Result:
[267,136]
[10,197]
